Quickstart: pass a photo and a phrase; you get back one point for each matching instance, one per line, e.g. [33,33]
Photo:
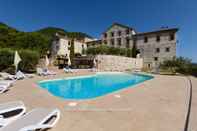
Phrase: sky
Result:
[94,16]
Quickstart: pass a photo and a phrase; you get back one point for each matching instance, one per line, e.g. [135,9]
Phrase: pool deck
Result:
[193,114]
[159,104]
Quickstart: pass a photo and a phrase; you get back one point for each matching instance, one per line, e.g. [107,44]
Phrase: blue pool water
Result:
[87,87]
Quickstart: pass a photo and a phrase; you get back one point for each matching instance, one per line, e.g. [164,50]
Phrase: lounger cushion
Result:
[33,118]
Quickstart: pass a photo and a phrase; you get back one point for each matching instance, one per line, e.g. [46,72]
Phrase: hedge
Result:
[109,51]
[28,64]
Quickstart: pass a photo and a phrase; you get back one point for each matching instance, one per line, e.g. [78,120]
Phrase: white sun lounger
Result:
[68,70]
[40,118]
[3,88]
[42,72]
[30,75]
[19,75]
[11,111]
[48,72]
[7,82]
[5,85]
[7,76]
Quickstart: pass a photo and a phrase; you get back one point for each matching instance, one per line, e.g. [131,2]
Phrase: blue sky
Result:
[94,16]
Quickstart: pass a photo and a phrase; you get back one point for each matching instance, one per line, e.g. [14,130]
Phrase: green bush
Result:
[178,65]
[129,53]
[194,70]
[109,51]
[29,60]
[6,58]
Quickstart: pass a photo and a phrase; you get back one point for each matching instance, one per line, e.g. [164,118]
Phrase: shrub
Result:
[129,53]
[28,63]
[109,51]
[6,58]
[29,60]
[180,65]
[194,70]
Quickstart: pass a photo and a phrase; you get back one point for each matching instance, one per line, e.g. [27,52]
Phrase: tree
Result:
[134,51]
[72,51]
[181,65]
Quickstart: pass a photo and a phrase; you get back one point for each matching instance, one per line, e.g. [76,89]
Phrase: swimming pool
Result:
[92,86]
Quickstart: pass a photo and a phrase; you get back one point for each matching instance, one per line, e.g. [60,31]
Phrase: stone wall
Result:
[118,63]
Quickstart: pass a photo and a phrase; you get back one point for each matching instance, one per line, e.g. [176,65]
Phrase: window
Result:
[112,34]
[172,37]
[167,49]
[127,31]
[145,39]
[158,38]
[112,41]
[157,50]
[156,58]
[105,35]
[149,65]
[127,42]
[105,42]
[119,41]
[69,43]
[119,33]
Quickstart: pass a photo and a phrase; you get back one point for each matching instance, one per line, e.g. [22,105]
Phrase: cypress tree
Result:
[72,51]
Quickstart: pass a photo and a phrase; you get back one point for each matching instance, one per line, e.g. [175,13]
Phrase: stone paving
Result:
[155,105]
[193,114]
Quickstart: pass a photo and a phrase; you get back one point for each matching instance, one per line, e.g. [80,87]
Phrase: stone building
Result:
[154,47]
[61,46]
[118,35]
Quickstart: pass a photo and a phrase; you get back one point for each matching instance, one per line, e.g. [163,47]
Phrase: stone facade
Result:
[61,45]
[154,47]
[118,36]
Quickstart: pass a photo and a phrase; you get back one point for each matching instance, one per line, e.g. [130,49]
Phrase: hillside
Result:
[14,39]
[77,35]
[39,40]
[51,31]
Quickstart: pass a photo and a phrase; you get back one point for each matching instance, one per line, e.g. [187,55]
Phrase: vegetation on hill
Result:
[31,45]
[77,35]
[16,40]
[50,32]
